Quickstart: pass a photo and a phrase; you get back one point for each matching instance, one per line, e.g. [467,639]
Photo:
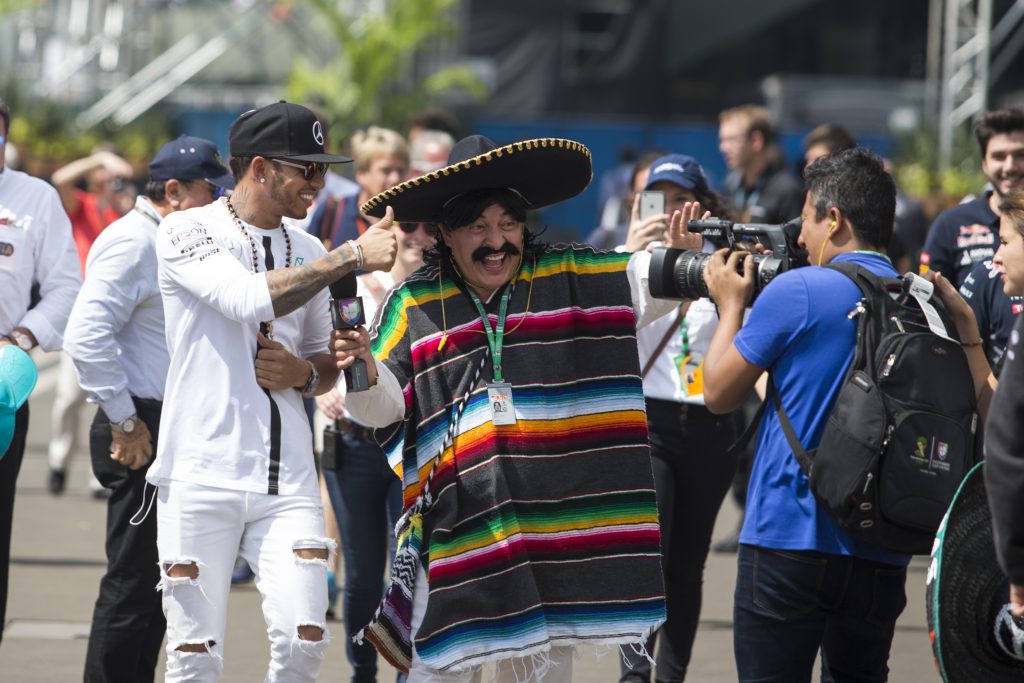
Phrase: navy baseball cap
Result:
[678,169]
[191,158]
[283,130]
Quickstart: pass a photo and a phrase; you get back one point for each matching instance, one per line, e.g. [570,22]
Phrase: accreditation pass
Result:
[499,396]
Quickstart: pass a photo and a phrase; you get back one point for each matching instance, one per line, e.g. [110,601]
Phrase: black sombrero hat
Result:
[973,635]
[543,171]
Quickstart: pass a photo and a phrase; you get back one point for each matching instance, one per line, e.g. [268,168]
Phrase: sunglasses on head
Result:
[409,228]
[310,169]
[216,190]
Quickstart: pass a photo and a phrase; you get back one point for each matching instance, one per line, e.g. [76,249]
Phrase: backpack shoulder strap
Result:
[804,457]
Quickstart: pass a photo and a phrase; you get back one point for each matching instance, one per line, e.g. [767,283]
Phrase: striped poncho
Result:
[543,533]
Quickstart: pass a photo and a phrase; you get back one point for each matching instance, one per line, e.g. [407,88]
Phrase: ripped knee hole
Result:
[196,647]
[311,553]
[182,570]
[311,633]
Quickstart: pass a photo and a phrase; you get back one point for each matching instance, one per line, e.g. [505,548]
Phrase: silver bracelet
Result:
[358,251]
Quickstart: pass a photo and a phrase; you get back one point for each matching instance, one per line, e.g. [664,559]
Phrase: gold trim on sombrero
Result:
[523,145]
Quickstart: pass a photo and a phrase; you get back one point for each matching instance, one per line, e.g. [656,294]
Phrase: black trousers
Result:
[692,470]
[128,621]
[10,465]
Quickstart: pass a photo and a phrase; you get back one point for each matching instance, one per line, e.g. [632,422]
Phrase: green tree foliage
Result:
[918,171]
[370,79]
[16,5]
[44,132]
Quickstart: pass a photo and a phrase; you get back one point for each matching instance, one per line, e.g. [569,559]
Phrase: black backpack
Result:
[904,429]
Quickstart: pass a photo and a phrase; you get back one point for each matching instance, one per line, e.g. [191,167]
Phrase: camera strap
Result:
[680,312]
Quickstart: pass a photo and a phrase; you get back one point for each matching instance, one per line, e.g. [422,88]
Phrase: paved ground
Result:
[58,560]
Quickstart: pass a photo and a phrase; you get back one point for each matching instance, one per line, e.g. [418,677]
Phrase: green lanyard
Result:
[684,332]
[494,338]
[873,253]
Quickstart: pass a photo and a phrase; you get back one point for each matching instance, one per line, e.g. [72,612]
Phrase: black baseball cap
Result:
[190,158]
[283,129]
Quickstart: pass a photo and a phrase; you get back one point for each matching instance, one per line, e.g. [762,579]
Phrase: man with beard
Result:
[505,377]
[968,234]
[759,187]
[247,324]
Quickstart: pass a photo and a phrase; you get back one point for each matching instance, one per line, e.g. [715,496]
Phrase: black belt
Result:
[355,430]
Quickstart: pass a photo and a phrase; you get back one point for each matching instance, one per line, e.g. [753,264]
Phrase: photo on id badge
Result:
[691,370]
[503,411]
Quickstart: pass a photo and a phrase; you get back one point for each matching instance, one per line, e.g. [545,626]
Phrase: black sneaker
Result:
[56,483]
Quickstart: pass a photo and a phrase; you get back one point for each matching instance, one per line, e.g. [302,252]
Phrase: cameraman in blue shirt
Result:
[803,584]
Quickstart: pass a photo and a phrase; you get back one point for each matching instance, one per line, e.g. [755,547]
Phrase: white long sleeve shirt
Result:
[115,334]
[217,428]
[35,246]
[384,403]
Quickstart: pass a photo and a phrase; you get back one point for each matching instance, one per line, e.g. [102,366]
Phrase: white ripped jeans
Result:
[201,529]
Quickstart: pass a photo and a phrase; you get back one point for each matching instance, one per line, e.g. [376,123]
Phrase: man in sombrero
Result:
[506,386]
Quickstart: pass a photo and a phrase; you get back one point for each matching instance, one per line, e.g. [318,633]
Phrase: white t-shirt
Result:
[217,427]
[35,246]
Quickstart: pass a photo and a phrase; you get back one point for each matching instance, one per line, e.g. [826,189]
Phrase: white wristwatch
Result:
[125,426]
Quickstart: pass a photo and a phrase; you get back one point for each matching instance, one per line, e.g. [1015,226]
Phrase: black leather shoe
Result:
[56,482]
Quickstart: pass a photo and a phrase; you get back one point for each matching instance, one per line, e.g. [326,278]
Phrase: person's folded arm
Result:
[380,405]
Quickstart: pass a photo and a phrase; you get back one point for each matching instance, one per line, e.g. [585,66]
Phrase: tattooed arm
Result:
[292,287]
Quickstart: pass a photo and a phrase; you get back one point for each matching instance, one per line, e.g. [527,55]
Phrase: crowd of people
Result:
[541,454]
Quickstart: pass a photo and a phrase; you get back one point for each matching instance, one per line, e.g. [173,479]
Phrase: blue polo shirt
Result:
[799,329]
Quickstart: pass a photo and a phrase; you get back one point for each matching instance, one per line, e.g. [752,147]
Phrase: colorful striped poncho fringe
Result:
[542,533]
[390,628]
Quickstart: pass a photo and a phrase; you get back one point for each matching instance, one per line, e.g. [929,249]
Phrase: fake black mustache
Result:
[483,252]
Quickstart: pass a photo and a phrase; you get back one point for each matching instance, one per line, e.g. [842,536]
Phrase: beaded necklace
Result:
[268,327]
[252,242]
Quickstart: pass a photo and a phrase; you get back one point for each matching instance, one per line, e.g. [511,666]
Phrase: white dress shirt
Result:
[384,403]
[35,246]
[216,428]
[115,334]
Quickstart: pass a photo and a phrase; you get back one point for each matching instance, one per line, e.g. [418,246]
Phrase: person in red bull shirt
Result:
[969,233]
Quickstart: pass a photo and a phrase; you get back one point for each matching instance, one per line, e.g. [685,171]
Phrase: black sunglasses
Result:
[410,228]
[310,169]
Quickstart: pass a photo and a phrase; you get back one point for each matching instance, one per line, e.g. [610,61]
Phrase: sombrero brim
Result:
[544,171]
[966,591]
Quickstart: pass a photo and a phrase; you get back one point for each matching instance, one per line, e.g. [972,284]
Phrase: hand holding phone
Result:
[652,203]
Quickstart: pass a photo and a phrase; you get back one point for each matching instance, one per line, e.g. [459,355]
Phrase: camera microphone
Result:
[347,313]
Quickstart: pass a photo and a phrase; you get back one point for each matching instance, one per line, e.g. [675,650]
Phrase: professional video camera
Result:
[679,274]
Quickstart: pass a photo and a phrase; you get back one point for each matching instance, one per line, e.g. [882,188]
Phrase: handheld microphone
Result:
[346,313]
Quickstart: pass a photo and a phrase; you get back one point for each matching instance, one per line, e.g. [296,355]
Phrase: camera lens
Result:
[689,274]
